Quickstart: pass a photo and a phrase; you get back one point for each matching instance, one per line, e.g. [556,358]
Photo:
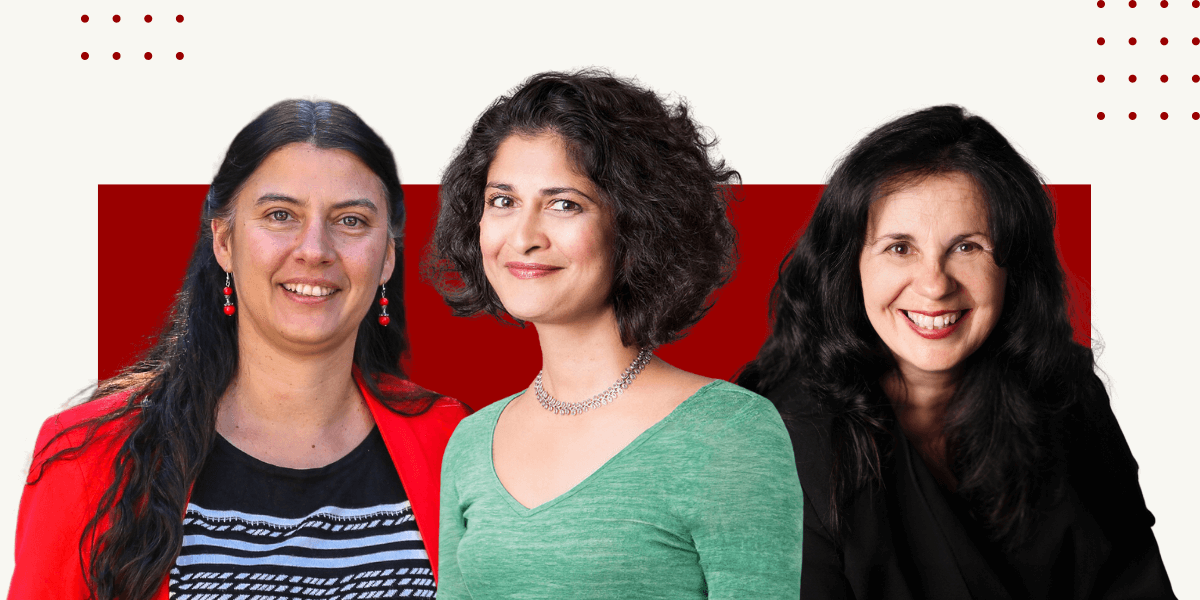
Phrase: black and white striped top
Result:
[345,531]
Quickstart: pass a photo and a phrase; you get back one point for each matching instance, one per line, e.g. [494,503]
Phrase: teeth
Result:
[307,290]
[928,322]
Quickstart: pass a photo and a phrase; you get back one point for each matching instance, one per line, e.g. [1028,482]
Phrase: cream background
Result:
[787,86]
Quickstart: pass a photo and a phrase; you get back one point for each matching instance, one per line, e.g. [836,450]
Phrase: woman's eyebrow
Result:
[265,198]
[895,237]
[564,190]
[363,202]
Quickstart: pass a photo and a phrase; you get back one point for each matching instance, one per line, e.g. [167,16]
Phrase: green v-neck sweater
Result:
[704,504]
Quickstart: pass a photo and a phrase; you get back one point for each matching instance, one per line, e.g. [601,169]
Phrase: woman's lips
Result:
[934,325]
[309,293]
[530,270]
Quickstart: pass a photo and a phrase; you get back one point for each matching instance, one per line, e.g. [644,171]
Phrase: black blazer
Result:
[911,539]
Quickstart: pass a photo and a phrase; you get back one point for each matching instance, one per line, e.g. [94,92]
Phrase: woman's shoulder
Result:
[722,410]
[83,426]
[477,427]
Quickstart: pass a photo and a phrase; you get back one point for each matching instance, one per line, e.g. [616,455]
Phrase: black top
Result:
[256,530]
[911,538]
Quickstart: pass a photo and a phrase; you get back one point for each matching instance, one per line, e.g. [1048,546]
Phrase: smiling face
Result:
[308,246]
[545,239]
[932,290]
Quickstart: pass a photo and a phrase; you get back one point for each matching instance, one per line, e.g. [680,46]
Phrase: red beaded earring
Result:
[228,291]
[384,319]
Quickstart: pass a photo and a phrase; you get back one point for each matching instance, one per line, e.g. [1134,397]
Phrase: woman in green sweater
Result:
[585,205]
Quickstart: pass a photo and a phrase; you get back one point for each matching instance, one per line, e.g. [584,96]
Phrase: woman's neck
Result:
[298,410]
[582,359]
[920,401]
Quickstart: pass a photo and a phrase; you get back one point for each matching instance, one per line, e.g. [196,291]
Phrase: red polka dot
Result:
[149,56]
[1132,3]
[1163,41]
[116,56]
[1196,41]
[1132,41]
[1100,78]
[1163,79]
[1163,3]
[178,56]
[1163,116]
[84,18]
[1132,116]
[1100,116]
[1132,78]
[149,18]
[1195,78]
[84,56]
[1196,116]
[1100,41]
[116,18]
[1195,3]
[1100,3]
[178,18]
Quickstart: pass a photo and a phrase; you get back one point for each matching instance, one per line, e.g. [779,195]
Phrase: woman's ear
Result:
[389,261]
[222,242]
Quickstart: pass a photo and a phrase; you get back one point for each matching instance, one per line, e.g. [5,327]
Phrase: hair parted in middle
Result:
[664,192]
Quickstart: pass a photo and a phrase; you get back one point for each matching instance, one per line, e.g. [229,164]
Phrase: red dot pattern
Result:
[1195,78]
[1163,41]
[1132,41]
[1132,3]
[149,56]
[178,18]
[1100,41]
[1163,116]
[1100,78]
[84,56]
[1100,3]
[84,18]
[1100,116]
[1132,116]
[1132,78]
[116,18]
[1195,3]
[178,56]
[1196,116]
[1163,3]
[149,18]
[1163,79]
[116,56]
[1196,41]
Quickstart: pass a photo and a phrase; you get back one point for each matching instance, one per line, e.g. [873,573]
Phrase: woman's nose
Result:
[933,281]
[529,233]
[314,245]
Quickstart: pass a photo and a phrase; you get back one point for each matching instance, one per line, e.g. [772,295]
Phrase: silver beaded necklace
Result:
[559,407]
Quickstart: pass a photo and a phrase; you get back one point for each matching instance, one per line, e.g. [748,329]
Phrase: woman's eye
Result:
[280,215]
[565,206]
[966,247]
[898,249]
[501,202]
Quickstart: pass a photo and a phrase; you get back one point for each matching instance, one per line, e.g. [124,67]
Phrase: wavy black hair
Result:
[665,193]
[173,391]
[822,342]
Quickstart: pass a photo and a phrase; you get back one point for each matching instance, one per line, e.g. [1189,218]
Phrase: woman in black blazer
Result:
[951,439]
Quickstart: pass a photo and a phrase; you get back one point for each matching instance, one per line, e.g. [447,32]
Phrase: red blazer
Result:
[55,510]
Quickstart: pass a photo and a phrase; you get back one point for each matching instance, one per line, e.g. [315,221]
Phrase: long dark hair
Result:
[822,343]
[654,167]
[169,412]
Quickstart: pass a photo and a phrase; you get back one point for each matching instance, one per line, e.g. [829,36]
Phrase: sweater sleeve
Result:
[749,515]
[453,525]
[55,507]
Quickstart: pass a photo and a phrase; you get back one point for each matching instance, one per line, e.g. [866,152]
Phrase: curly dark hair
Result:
[1029,367]
[665,194]
[172,393]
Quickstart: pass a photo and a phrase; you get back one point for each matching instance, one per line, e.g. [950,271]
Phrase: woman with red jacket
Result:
[269,445]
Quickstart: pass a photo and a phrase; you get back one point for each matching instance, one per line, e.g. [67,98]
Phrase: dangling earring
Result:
[384,319]
[228,291]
